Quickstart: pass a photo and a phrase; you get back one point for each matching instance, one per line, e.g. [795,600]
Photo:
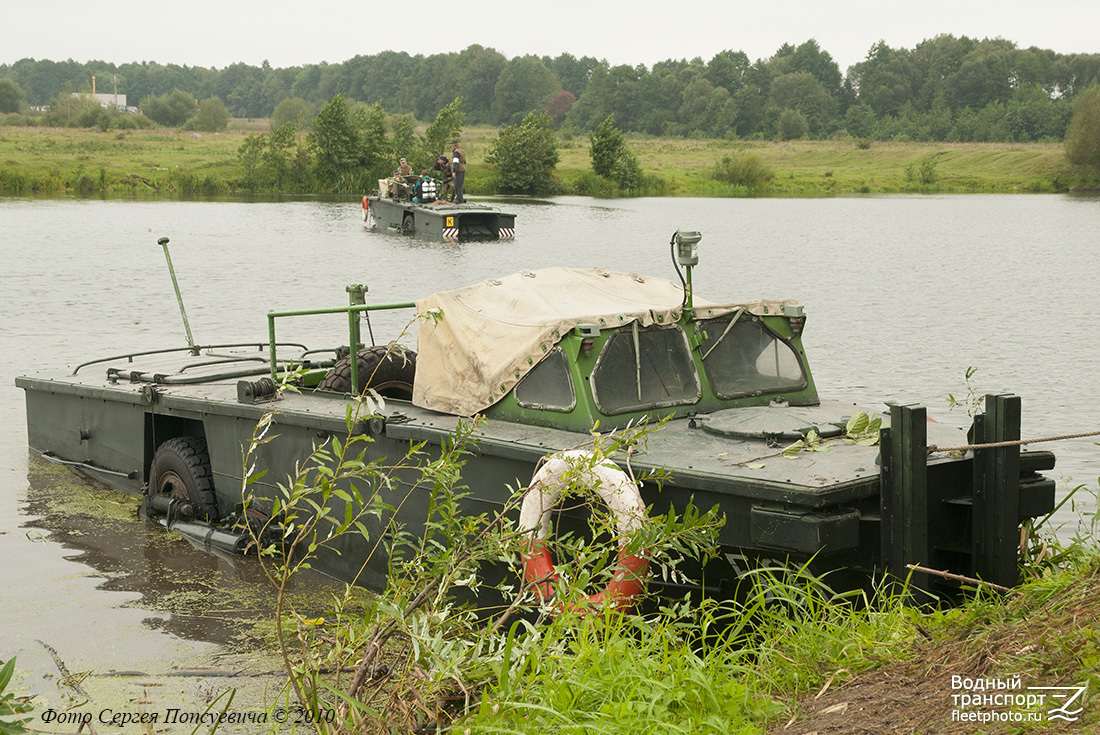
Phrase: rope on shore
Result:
[932,448]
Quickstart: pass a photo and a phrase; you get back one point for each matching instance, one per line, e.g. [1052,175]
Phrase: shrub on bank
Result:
[744,169]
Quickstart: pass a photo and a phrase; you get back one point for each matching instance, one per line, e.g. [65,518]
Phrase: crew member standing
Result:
[446,186]
[458,168]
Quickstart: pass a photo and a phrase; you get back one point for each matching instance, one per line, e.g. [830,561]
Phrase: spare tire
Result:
[389,370]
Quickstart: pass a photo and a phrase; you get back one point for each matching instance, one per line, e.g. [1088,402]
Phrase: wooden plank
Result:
[904,495]
[997,491]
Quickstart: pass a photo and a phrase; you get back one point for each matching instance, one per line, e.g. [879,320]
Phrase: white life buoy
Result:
[624,501]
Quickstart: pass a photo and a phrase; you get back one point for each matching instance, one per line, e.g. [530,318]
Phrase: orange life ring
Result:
[365,204]
[620,494]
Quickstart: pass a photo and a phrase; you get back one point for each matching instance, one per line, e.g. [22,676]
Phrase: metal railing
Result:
[352,310]
[129,356]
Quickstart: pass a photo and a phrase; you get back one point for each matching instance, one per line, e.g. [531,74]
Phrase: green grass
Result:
[160,161]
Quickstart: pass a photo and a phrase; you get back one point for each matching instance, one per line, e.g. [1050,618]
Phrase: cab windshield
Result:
[742,357]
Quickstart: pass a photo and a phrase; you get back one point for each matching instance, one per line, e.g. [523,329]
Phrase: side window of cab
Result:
[548,386]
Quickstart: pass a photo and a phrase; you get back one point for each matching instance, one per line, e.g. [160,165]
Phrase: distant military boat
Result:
[438,219]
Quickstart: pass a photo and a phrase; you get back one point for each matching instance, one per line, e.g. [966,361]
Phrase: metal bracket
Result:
[150,394]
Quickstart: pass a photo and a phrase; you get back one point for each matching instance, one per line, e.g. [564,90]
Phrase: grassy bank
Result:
[788,656]
[165,162]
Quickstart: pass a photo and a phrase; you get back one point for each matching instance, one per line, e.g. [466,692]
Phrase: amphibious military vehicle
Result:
[545,356]
[438,219]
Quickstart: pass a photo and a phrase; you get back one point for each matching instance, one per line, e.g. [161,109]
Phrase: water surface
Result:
[903,294]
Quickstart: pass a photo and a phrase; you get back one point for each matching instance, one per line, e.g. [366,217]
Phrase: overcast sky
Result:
[216,34]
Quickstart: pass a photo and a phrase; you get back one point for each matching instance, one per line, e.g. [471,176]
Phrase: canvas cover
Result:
[493,333]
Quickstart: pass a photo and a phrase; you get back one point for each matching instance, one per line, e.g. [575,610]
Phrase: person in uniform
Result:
[391,187]
[403,175]
[446,186]
[458,168]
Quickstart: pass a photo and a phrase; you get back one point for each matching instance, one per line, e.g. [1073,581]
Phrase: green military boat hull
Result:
[438,220]
[545,357]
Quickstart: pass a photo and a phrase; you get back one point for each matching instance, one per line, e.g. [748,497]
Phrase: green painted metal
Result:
[587,413]
[349,310]
[163,242]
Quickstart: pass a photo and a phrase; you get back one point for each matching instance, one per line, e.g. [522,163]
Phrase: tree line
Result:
[946,88]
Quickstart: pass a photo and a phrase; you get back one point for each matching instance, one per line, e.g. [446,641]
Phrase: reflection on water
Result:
[191,592]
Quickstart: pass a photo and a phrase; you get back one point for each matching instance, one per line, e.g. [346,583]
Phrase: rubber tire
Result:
[407,226]
[393,371]
[181,469]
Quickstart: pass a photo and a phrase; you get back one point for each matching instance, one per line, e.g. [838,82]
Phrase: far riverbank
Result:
[164,162]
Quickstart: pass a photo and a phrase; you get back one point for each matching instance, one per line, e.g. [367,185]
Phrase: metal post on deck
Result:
[163,242]
[356,297]
[997,491]
[903,497]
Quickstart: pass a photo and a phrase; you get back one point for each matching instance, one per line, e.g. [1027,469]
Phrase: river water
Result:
[902,293]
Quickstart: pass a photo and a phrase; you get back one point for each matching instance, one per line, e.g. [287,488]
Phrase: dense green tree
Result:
[445,128]
[1083,134]
[607,145]
[11,96]
[610,91]
[792,125]
[809,58]
[429,87]
[749,105]
[572,73]
[659,94]
[954,88]
[336,144]
[1031,115]
[293,111]
[803,92]
[212,116]
[171,110]
[307,83]
[727,69]
[886,80]
[525,84]
[932,62]
[377,79]
[859,121]
[526,155]
[477,70]
[278,157]
[695,97]
[985,75]
[405,143]
[374,151]
[250,154]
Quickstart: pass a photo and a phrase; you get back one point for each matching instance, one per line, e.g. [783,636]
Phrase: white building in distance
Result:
[106,101]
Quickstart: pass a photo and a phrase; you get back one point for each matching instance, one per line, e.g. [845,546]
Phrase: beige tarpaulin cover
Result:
[493,333]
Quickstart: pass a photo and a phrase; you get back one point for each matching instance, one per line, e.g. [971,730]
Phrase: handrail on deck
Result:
[351,310]
[129,356]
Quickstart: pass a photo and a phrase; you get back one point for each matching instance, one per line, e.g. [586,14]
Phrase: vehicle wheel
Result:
[407,225]
[181,469]
[388,370]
